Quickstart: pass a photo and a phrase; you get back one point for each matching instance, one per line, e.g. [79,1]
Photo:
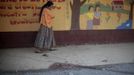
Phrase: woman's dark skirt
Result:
[45,38]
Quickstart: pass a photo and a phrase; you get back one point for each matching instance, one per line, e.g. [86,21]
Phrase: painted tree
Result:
[75,19]
[131,2]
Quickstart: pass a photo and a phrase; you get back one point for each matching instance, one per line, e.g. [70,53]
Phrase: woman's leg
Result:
[40,40]
[49,41]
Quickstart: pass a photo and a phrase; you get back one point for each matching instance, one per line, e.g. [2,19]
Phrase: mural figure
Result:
[45,37]
[90,16]
[97,14]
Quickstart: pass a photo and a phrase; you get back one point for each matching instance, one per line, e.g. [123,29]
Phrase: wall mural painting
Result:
[22,15]
[102,14]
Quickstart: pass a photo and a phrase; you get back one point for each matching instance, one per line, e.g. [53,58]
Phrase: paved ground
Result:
[85,55]
[118,69]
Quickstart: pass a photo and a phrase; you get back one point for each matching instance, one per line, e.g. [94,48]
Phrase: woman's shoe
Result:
[38,51]
[52,49]
[45,55]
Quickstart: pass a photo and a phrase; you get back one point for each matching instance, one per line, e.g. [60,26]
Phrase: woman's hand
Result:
[53,17]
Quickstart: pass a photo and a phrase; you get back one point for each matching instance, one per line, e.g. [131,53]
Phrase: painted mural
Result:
[107,14]
[22,15]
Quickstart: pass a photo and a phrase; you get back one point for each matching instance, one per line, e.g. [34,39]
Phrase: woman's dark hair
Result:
[47,5]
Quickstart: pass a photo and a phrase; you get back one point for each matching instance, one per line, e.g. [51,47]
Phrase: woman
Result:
[90,16]
[45,37]
[97,15]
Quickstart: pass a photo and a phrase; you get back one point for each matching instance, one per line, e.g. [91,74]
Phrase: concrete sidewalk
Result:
[85,55]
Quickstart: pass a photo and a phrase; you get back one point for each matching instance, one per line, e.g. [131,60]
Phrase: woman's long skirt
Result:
[45,38]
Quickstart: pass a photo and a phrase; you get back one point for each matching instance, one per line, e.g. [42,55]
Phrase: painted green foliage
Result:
[104,8]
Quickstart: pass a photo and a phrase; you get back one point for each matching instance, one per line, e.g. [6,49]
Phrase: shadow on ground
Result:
[70,69]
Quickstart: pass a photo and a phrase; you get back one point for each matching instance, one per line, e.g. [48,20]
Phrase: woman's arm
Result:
[48,18]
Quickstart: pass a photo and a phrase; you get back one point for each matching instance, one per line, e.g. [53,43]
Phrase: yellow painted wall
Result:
[62,19]
[59,23]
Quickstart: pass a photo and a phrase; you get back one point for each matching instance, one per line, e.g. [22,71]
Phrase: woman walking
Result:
[45,37]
